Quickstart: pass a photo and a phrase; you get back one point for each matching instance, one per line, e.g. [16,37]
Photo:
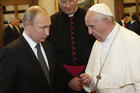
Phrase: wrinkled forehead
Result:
[92,16]
[42,15]
[89,14]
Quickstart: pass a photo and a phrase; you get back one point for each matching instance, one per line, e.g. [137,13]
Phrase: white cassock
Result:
[120,54]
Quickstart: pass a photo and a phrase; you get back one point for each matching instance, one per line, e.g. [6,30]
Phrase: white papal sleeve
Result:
[90,88]
[137,87]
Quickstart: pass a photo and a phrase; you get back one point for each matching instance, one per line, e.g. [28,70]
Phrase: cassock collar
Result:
[71,15]
[112,34]
[75,14]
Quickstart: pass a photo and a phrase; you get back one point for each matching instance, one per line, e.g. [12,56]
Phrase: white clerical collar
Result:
[113,33]
[123,24]
[71,15]
[29,40]
[122,21]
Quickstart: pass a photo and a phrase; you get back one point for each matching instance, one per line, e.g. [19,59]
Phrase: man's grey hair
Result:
[110,18]
[10,19]
[31,13]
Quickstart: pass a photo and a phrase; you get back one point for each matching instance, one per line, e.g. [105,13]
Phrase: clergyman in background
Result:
[72,43]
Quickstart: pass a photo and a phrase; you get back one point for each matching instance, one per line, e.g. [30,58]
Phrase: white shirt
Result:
[123,23]
[10,25]
[33,46]
[133,21]
[121,71]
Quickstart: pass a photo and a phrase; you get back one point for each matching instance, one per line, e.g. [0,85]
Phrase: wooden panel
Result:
[1,24]
[120,6]
[137,8]
[11,12]
[118,9]
[129,4]
[132,7]
[14,3]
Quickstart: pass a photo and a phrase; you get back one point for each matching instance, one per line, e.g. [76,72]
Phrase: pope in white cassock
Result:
[114,63]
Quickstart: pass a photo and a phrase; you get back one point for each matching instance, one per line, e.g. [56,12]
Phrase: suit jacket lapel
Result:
[31,56]
[27,48]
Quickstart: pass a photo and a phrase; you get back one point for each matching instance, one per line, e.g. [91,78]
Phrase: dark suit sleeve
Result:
[134,27]
[6,36]
[138,28]
[7,72]
[2,53]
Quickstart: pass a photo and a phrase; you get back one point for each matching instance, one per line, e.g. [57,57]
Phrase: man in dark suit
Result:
[133,24]
[124,20]
[11,32]
[21,70]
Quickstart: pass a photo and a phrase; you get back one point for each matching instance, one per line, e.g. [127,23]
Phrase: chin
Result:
[43,40]
[68,12]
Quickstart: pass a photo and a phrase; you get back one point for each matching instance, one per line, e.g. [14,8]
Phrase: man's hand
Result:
[76,84]
[85,79]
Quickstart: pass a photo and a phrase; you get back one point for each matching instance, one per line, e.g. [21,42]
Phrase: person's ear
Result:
[106,22]
[27,26]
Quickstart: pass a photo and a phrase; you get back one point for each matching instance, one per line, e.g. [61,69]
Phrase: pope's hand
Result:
[85,79]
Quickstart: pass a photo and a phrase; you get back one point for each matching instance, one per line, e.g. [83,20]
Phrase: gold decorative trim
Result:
[56,6]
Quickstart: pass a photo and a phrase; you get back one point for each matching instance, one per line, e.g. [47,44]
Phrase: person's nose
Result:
[89,31]
[68,4]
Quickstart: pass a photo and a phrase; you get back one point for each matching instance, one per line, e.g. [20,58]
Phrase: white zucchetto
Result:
[102,9]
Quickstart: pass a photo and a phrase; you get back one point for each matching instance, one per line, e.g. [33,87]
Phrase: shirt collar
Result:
[122,21]
[71,15]
[10,25]
[133,21]
[29,40]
